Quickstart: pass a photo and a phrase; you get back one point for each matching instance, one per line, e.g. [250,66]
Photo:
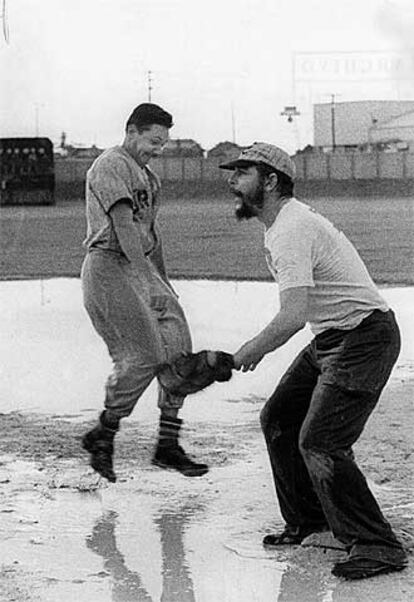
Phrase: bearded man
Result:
[322,403]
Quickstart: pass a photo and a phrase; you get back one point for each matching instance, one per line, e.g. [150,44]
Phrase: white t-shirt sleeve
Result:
[291,257]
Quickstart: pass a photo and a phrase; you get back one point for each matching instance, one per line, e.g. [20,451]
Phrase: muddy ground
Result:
[51,446]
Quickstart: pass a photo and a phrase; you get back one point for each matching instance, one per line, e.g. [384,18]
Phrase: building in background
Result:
[395,133]
[367,124]
[184,147]
[224,151]
[81,151]
[84,152]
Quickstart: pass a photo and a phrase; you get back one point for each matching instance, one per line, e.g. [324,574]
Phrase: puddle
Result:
[52,361]
[144,540]
[157,537]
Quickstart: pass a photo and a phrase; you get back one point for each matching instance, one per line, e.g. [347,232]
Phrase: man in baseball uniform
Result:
[321,404]
[127,294]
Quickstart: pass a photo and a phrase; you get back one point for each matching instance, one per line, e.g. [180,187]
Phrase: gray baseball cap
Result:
[264,154]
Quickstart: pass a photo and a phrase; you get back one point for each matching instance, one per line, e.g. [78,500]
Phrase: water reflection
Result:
[299,585]
[177,582]
[127,584]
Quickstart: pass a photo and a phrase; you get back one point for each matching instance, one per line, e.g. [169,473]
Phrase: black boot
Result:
[99,442]
[171,455]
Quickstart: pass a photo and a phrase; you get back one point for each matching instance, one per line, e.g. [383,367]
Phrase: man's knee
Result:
[167,401]
[318,460]
[128,380]
[127,368]
[308,442]
[277,408]
[266,417]
[322,458]
[270,427]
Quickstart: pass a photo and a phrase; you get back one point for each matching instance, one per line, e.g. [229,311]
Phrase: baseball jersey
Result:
[303,248]
[115,175]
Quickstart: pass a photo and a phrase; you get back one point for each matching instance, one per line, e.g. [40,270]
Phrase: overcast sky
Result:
[225,69]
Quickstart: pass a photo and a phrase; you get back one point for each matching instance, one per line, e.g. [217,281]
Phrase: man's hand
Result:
[287,322]
[248,356]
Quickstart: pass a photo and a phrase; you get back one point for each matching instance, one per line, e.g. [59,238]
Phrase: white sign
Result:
[353,66]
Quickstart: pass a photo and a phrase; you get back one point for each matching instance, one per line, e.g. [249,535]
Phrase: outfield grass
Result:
[202,239]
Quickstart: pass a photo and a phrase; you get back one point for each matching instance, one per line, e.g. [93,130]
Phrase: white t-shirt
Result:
[304,249]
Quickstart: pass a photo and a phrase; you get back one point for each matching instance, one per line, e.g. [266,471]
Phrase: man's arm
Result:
[130,242]
[157,258]
[291,318]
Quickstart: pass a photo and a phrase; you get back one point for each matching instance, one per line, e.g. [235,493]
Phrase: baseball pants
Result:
[138,337]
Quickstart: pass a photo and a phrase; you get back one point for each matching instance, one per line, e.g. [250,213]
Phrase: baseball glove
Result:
[192,372]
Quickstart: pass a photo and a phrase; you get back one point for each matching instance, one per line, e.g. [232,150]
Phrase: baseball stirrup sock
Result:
[169,430]
[109,421]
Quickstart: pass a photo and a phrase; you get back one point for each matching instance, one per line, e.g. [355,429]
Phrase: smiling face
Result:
[145,143]
[248,186]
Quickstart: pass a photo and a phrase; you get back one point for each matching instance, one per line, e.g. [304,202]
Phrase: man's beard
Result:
[244,211]
[247,210]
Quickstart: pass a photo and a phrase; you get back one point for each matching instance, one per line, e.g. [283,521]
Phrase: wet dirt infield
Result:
[156,535]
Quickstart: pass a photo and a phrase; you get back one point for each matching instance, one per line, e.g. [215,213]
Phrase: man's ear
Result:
[271,182]
[132,129]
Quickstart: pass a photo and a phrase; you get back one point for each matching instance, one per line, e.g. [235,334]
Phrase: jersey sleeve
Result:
[291,258]
[110,181]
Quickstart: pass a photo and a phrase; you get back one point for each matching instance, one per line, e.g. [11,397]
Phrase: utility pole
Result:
[333,98]
[233,124]
[149,85]
[37,119]
[333,122]
[5,21]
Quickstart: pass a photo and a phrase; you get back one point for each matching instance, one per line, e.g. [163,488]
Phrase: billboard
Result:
[347,67]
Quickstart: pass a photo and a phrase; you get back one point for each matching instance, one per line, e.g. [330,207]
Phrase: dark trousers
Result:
[313,419]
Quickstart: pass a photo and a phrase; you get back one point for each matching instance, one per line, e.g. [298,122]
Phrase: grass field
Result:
[202,239]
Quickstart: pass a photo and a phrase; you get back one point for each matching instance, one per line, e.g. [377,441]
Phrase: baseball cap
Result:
[264,154]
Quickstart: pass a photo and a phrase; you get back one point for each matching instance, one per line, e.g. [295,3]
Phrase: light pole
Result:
[290,112]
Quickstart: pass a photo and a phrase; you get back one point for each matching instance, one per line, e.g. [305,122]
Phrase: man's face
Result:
[247,185]
[148,144]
